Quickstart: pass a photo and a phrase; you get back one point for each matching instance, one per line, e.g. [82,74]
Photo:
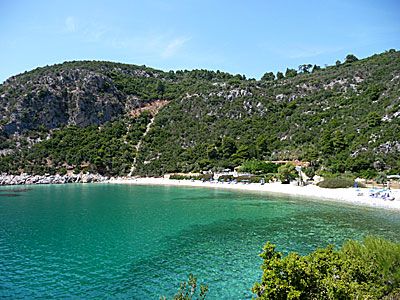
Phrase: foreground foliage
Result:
[367,270]
[187,291]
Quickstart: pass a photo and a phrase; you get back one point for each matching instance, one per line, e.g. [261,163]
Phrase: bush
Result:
[180,177]
[254,179]
[206,177]
[385,255]
[381,178]
[187,291]
[338,182]
[225,177]
[287,173]
[368,270]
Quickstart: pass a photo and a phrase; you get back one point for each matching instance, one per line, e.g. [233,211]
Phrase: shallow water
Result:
[110,241]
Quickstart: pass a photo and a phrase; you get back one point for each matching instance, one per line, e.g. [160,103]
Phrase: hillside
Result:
[91,116]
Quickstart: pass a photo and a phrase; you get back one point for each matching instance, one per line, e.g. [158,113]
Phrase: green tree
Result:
[305,68]
[160,88]
[381,178]
[290,73]
[374,91]
[373,119]
[379,164]
[339,142]
[351,58]
[315,68]
[338,62]
[326,142]
[212,151]
[228,146]
[310,172]
[262,144]
[241,153]
[255,166]
[311,155]
[268,77]
[287,173]
[279,75]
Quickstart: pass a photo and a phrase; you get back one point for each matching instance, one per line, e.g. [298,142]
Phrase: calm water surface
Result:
[139,242]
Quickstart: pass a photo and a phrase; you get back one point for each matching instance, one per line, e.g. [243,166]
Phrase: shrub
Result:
[187,291]
[180,177]
[368,270]
[381,178]
[225,177]
[338,182]
[206,177]
[287,172]
[385,255]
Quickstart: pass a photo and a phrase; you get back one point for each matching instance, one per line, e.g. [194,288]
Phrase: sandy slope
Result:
[348,195]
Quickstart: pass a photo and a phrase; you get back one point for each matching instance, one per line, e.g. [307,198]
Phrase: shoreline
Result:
[25,179]
[343,195]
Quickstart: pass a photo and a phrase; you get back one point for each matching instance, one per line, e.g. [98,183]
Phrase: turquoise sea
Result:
[99,241]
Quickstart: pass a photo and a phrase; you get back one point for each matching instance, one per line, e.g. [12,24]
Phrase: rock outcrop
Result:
[6,179]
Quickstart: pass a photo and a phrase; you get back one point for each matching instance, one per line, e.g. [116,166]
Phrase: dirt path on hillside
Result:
[138,146]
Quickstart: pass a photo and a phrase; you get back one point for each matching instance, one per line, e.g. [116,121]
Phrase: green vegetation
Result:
[341,118]
[181,177]
[338,182]
[381,178]
[108,149]
[368,270]
[359,270]
[287,173]
[187,291]
[255,166]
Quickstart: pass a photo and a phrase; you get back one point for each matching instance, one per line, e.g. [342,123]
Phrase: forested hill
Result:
[91,116]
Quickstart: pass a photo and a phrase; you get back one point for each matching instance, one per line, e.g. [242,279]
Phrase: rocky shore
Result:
[6,179]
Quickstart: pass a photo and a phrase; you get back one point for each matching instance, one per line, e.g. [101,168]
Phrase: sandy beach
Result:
[348,195]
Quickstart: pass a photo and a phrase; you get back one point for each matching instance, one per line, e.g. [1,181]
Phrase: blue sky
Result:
[246,37]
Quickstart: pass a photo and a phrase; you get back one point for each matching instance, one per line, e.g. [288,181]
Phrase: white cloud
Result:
[70,24]
[173,47]
[160,46]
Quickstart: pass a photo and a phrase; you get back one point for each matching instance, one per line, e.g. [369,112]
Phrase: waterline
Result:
[124,241]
